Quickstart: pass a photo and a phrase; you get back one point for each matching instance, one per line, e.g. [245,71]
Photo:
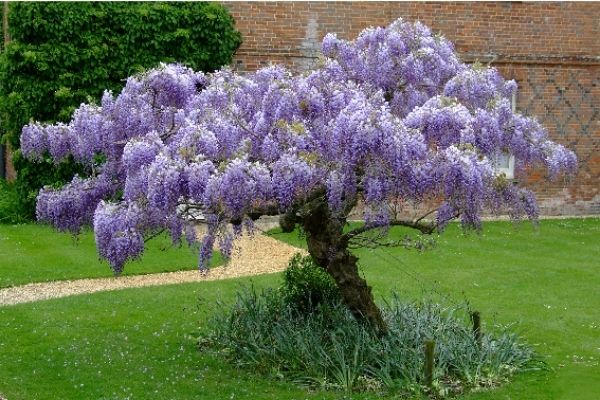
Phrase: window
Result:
[504,163]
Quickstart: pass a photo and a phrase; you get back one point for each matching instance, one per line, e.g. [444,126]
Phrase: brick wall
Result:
[551,49]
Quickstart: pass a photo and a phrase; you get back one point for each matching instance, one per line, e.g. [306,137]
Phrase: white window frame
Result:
[508,166]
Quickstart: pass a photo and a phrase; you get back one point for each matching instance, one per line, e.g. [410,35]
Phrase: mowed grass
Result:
[139,343]
[36,253]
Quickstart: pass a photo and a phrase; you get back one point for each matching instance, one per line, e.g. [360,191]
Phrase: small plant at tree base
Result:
[287,222]
[306,286]
[327,348]
[393,117]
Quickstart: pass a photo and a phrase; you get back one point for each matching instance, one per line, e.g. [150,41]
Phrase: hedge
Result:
[62,54]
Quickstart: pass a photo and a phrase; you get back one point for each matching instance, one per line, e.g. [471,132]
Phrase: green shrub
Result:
[34,175]
[287,222]
[11,211]
[329,349]
[46,71]
[306,285]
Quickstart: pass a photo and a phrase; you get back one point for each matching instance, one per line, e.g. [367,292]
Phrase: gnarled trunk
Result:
[325,245]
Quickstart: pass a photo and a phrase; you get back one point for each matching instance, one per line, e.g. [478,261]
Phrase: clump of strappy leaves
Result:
[301,332]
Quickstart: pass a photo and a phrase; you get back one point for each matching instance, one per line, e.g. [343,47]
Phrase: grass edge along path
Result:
[258,254]
[35,252]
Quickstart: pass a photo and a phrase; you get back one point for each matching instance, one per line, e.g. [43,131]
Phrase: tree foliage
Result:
[63,54]
[391,115]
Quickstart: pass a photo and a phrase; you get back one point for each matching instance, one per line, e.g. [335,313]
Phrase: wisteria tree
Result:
[393,117]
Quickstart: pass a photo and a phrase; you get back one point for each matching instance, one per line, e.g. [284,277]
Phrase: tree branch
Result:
[153,235]
[420,243]
[267,209]
[422,217]
[243,126]
[423,227]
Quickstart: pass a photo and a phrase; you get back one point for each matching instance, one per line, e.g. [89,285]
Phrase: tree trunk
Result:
[323,236]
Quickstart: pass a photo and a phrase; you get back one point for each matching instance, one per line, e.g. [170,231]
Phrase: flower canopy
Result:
[393,114]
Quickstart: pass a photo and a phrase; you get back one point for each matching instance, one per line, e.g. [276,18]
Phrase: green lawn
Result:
[36,253]
[136,343]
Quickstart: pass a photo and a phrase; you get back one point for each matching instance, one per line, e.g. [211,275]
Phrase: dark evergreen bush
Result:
[64,53]
[10,207]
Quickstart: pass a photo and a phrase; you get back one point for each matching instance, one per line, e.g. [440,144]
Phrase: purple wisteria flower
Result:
[393,115]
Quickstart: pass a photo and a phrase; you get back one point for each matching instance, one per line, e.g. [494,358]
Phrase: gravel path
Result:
[257,255]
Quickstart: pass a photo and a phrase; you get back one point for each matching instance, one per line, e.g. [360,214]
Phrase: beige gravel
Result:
[255,255]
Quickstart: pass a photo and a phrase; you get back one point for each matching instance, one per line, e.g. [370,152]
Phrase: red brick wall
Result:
[551,49]
[565,99]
